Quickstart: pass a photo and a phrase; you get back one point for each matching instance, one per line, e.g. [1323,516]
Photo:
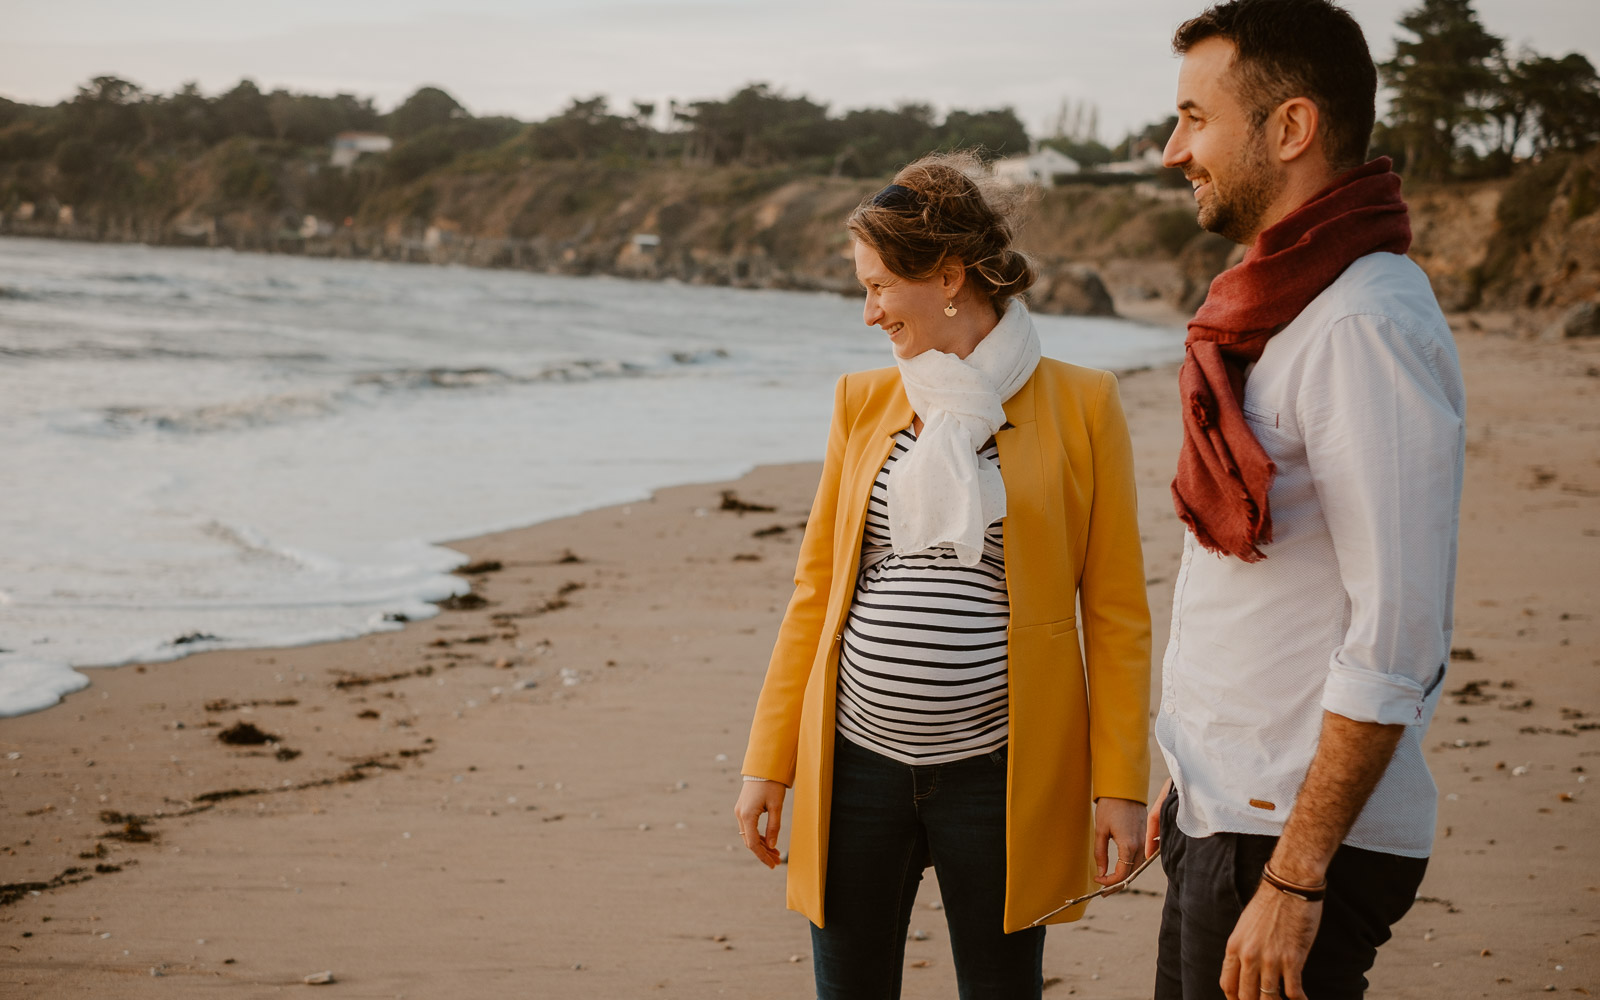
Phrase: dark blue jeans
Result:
[889,821]
[1210,880]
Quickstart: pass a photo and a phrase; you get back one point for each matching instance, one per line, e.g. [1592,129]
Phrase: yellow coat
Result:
[1079,720]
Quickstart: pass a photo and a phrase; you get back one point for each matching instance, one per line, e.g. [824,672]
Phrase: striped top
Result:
[922,672]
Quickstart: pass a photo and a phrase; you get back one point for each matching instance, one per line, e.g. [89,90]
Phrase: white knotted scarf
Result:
[943,492]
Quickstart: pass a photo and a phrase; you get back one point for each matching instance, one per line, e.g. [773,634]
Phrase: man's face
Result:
[1225,158]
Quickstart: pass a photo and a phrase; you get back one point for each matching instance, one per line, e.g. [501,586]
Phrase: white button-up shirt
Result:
[1360,404]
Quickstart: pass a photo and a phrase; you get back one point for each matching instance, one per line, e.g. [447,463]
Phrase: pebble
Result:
[319,978]
[644,826]
[1438,965]
[1519,770]
[919,935]
[794,958]
[936,905]
[577,966]
[721,757]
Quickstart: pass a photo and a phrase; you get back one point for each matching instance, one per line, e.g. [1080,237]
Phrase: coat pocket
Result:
[1062,627]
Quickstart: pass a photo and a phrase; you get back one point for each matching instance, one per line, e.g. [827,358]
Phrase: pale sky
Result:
[529,58]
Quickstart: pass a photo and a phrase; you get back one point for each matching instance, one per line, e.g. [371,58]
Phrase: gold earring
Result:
[950,308]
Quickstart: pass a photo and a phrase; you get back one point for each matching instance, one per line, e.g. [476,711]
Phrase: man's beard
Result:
[1237,214]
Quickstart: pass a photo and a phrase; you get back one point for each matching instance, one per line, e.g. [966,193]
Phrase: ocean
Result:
[204,449]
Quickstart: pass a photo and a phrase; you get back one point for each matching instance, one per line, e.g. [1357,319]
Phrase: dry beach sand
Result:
[533,797]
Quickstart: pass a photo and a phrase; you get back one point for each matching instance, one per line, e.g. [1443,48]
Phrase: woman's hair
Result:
[943,207]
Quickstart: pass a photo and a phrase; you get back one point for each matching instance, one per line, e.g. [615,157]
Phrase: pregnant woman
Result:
[962,677]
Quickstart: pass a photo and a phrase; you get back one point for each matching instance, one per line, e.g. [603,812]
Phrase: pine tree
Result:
[1443,80]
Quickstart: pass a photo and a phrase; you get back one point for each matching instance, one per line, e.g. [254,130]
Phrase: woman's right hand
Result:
[755,798]
[1152,821]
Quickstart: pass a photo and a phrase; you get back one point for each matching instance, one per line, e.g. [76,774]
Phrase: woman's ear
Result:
[952,278]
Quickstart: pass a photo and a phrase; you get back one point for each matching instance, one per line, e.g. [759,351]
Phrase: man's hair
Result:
[1297,48]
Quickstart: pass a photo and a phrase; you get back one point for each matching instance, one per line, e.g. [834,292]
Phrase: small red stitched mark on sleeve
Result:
[1263,804]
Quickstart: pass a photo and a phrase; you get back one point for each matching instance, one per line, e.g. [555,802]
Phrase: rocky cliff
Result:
[1530,241]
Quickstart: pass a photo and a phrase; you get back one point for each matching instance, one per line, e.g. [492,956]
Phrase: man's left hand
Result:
[1268,947]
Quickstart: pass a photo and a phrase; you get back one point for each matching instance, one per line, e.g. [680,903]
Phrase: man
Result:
[1320,480]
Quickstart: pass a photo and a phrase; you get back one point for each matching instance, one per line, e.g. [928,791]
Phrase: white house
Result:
[1041,167]
[348,146]
[1147,161]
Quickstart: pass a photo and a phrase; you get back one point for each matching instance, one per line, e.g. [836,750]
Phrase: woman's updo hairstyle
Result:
[941,207]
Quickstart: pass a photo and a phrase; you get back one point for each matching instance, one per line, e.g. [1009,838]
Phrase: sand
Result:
[533,798]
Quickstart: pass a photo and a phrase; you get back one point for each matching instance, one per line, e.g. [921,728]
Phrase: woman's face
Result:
[910,312]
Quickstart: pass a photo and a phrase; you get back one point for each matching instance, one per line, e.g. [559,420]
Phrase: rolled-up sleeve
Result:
[1382,413]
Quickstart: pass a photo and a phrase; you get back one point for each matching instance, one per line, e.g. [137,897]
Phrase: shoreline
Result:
[534,794]
[799,283]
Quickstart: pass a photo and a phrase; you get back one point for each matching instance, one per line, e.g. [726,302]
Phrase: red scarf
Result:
[1223,473]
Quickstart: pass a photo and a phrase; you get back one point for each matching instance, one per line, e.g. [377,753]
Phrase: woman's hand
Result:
[1120,820]
[1152,823]
[755,798]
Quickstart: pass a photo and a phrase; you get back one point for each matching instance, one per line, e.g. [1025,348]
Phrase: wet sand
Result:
[533,797]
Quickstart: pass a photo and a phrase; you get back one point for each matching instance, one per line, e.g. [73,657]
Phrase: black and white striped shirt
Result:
[922,673]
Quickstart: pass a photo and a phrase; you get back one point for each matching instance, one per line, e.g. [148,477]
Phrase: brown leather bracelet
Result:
[1309,893]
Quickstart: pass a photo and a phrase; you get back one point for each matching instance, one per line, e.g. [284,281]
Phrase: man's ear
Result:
[1295,128]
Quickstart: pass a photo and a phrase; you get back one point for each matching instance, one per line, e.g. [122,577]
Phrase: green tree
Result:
[185,117]
[995,133]
[876,141]
[1562,101]
[756,126]
[428,108]
[433,148]
[1443,80]
[107,112]
[586,129]
[243,111]
[310,120]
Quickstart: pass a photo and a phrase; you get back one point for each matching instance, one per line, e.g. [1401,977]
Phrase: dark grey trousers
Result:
[1210,879]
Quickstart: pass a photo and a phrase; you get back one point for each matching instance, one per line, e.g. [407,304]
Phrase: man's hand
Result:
[1269,945]
[1119,820]
[755,798]
[1270,942]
